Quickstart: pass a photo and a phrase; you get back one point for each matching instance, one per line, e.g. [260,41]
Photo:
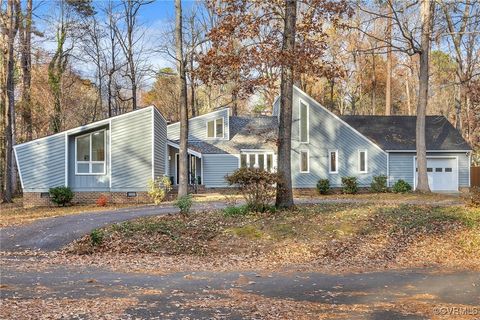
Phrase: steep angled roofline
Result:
[202,115]
[339,119]
[87,126]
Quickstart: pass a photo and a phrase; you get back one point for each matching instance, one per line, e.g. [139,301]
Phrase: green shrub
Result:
[379,184]
[96,237]
[159,188]
[257,186]
[61,195]
[401,186]
[235,211]
[349,185]
[323,186]
[184,203]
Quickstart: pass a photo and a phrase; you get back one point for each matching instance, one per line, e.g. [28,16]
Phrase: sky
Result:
[156,17]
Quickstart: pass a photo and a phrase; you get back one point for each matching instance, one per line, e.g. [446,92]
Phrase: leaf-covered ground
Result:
[328,237]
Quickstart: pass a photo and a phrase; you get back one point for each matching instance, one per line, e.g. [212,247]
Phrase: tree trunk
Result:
[458,101]
[388,87]
[427,9]
[284,197]
[10,108]
[26,63]
[183,106]
[374,84]
[192,89]
[407,91]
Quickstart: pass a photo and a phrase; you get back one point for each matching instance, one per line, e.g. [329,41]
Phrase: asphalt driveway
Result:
[52,234]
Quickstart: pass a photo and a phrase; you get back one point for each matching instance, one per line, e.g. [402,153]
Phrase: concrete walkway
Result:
[52,234]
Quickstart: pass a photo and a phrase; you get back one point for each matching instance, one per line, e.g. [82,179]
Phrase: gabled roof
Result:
[398,132]
[258,132]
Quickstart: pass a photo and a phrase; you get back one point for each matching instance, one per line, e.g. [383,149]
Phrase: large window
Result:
[333,161]
[304,161]
[362,161]
[304,122]
[90,153]
[259,160]
[215,128]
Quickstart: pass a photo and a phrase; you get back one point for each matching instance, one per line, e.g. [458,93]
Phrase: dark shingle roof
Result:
[398,132]
[245,133]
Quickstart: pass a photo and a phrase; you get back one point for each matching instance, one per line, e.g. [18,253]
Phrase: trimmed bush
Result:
[256,185]
[159,188]
[349,185]
[323,186]
[401,186]
[184,204]
[61,196]
[379,184]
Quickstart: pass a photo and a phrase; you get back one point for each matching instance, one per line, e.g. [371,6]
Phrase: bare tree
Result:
[183,106]
[12,27]
[427,11]
[284,197]
[388,87]
[129,40]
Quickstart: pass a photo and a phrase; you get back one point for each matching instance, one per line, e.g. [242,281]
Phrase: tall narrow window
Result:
[304,161]
[211,129]
[333,161]
[362,161]
[269,162]
[243,161]
[304,122]
[90,153]
[215,128]
[261,161]
[251,160]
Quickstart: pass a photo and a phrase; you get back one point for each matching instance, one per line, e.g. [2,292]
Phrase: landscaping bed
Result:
[337,237]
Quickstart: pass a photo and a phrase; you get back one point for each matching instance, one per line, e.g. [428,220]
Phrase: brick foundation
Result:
[35,199]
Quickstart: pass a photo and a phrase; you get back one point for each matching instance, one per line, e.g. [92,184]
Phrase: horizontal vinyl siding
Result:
[132,151]
[401,166]
[160,155]
[329,133]
[42,163]
[197,127]
[216,167]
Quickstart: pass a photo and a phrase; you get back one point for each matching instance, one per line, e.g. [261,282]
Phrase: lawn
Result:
[327,237]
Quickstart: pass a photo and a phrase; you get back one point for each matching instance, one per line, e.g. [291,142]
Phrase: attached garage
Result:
[442,173]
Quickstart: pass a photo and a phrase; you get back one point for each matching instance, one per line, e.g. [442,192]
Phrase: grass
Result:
[336,235]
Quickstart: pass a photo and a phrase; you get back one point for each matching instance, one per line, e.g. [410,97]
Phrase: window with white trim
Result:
[215,128]
[333,161]
[304,122]
[362,161]
[90,153]
[261,160]
[304,161]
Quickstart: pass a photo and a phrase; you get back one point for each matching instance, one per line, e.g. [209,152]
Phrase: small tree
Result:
[256,185]
[159,188]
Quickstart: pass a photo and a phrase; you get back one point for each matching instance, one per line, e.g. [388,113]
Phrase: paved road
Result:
[185,295]
[52,234]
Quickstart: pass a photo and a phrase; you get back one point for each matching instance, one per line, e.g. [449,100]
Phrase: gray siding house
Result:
[114,157]
[118,156]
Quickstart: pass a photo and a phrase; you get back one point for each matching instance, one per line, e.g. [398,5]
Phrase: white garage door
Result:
[442,174]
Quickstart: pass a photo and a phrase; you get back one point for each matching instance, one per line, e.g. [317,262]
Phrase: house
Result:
[139,145]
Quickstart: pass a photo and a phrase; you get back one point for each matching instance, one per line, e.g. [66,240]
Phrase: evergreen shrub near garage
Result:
[401,186]
[61,196]
[349,185]
[379,184]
